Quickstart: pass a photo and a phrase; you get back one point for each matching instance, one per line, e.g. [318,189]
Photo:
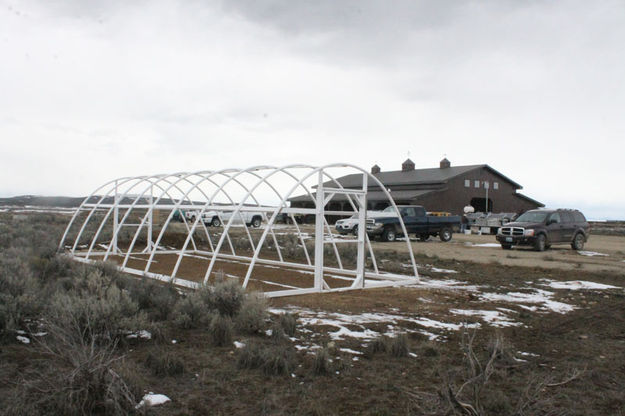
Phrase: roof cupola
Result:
[407,166]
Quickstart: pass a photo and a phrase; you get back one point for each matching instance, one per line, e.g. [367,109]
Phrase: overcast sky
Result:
[94,90]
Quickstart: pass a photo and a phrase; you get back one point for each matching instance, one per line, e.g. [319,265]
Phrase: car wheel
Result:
[541,242]
[389,235]
[578,242]
[506,246]
[355,230]
[445,234]
[256,222]
[193,218]
[215,222]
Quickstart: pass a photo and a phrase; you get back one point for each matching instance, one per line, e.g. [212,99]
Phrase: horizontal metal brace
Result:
[314,211]
[344,191]
[244,208]
[226,208]
[339,241]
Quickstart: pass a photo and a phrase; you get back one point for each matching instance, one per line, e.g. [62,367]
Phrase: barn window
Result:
[495,185]
[467,183]
[476,184]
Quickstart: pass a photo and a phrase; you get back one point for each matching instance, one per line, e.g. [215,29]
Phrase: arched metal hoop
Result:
[231,200]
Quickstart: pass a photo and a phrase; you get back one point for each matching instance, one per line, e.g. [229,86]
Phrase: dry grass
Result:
[94,369]
[273,360]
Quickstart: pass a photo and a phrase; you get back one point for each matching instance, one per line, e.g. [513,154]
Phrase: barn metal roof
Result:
[527,198]
[419,176]
[403,195]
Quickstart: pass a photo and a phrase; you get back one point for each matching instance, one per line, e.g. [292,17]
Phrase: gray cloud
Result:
[141,87]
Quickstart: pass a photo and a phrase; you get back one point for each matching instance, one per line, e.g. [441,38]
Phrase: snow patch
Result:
[494,318]
[341,321]
[152,399]
[541,297]
[22,339]
[442,284]
[345,332]
[527,354]
[238,344]
[307,348]
[349,351]
[437,270]
[577,285]
[591,253]
[143,334]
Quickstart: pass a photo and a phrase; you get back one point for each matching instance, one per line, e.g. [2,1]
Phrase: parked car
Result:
[541,228]
[491,222]
[178,216]
[350,225]
[387,225]
[347,225]
[213,218]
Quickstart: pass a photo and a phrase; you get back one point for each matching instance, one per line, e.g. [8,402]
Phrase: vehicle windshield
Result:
[532,216]
[390,208]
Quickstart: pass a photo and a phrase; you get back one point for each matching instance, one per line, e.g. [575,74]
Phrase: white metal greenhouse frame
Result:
[240,189]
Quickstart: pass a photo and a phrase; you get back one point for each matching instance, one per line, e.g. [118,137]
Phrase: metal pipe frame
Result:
[145,194]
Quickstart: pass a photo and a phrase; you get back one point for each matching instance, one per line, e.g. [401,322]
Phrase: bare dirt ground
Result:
[561,314]
[601,253]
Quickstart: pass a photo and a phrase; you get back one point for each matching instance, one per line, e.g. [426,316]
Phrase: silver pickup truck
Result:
[215,219]
[350,225]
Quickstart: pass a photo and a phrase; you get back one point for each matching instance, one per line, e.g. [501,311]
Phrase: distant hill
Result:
[74,202]
[43,201]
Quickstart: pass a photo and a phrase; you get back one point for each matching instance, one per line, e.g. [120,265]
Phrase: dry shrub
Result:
[162,363]
[291,248]
[156,298]
[227,297]
[78,376]
[430,349]
[16,310]
[272,360]
[252,315]
[377,345]
[277,333]
[481,386]
[321,363]
[197,308]
[288,323]
[220,330]
[98,311]
[192,311]
[277,362]
[19,290]
[52,268]
[250,356]
[398,346]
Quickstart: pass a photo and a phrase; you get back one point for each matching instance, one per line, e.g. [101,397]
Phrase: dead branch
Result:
[575,374]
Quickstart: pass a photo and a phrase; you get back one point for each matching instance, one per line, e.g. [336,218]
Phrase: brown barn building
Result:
[446,188]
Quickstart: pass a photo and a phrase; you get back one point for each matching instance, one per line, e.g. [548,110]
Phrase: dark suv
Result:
[541,228]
